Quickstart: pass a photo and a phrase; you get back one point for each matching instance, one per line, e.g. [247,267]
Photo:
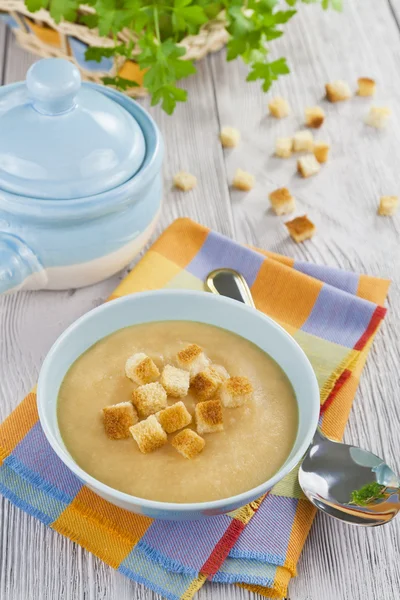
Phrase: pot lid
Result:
[62,140]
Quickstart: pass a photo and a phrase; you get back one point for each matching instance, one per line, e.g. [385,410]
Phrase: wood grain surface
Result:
[338,562]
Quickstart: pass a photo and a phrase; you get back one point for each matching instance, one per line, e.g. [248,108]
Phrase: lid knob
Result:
[53,84]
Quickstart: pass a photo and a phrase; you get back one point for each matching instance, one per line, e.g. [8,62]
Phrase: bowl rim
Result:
[156,505]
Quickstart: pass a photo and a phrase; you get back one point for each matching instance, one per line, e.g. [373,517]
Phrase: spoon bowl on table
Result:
[343,481]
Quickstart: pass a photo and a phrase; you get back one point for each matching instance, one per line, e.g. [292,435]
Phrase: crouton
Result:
[321,151]
[149,398]
[188,443]
[282,201]
[174,417]
[283,147]
[301,228]
[220,372]
[314,116]
[118,418]
[308,165]
[175,381]
[206,383]
[230,137]
[388,205]
[279,108]
[235,392]
[141,369]
[149,435]
[209,416]
[366,86]
[378,116]
[243,181]
[337,91]
[185,181]
[303,141]
[192,359]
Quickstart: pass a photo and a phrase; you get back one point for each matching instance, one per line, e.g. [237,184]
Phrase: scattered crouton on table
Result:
[301,228]
[282,201]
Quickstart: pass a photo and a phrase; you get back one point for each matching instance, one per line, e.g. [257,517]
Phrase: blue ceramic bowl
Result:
[78,237]
[169,305]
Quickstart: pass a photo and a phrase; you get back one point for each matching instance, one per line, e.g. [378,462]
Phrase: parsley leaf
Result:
[186,16]
[170,95]
[66,9]
[268,72]
[34,5]
[368,493]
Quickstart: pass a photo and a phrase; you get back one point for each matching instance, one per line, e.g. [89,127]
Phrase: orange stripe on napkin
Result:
[17,425]
[288,299]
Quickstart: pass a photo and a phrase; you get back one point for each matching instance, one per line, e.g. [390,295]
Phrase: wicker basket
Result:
[39,33]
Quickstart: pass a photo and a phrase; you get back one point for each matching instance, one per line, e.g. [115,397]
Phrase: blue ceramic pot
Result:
[80,180]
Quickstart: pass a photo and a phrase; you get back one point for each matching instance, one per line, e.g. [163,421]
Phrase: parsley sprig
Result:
[368,494]
[156,28]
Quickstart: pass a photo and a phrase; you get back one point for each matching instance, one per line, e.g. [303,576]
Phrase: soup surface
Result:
[256,440]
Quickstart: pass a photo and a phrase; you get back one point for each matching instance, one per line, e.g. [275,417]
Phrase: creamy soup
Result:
[256,440]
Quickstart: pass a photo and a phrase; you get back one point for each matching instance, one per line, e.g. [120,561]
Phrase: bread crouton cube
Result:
[141,369]
[192,359]
[283,147]
[314,116]
[220,372]
[336,91]
[366,86]
[188,443]
[174,417]
[149,435]
[303,141]
[243,181]
[175,381]
[235,392]
[388,205]
[279,108]
[209,416]
[185,181]
[206,383]
[229,136]
[308,165]
[301,228]
[321,151]
[282,201]
[378,116]
[149,399]
[117,420]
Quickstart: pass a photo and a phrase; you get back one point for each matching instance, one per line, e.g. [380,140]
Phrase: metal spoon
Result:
[330,470]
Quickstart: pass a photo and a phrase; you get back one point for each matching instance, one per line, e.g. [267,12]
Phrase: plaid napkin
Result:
[332,314]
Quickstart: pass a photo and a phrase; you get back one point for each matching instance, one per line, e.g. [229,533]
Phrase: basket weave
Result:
[39,33]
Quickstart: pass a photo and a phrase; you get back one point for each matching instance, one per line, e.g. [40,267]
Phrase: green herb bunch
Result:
[156,28]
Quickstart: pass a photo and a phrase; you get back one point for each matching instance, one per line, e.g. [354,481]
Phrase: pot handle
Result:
[19,266]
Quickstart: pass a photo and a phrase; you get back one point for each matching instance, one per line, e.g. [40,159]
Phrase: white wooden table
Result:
[338,562]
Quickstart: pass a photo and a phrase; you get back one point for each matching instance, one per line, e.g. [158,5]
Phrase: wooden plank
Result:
[395,8]
[18,60]
[338,561]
